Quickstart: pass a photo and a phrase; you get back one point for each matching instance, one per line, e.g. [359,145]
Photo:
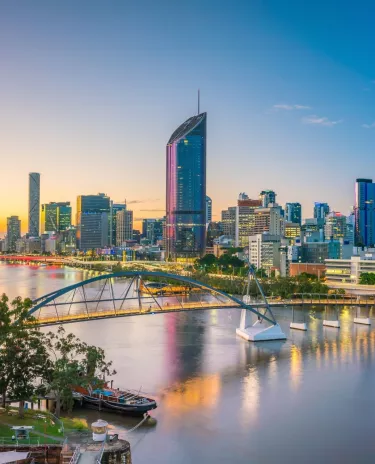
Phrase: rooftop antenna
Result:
[199,95]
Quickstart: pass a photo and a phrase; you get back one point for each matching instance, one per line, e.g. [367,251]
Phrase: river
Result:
[224,400]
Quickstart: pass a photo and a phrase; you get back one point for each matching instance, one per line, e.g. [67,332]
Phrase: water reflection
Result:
[222,399]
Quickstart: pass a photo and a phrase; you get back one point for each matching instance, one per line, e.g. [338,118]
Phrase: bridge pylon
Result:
[266,328]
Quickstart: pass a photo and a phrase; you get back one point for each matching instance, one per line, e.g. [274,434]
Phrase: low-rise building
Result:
[349,270]
[318,269]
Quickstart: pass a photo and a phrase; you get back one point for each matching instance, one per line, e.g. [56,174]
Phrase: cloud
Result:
[148,200]
[290,107]
[320,121]
[369,126]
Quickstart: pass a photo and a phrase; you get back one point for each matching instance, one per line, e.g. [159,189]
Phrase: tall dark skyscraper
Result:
[34,203]
[364,211]
[293,213]
[92,221]
[186,190]
[320,211]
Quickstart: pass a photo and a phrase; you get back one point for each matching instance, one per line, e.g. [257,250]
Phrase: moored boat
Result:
[115,400]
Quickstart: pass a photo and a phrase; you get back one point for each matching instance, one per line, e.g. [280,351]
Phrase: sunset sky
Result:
[90,92]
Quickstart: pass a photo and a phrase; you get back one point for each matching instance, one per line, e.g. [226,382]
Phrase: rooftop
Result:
[186,127]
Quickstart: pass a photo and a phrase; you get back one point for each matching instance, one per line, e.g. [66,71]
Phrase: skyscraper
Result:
[335,226]
[115,207]
[56,217]
[92,221]
[208,210]
[152,229]
[186,190]
[13,232]
[364,211]
[124,226]
[293,213]
[267,197]
[321,210]
[34,203]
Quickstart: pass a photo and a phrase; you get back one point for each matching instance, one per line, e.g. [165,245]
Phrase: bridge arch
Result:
[53,309]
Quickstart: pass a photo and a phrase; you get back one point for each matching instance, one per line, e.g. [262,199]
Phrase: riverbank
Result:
[46,428]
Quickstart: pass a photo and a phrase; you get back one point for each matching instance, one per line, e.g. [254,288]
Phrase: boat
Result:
[109,399]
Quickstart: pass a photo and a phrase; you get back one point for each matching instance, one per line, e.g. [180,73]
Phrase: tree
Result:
[73,362]
[367,278]
[65,351]
[117,267]
[23,356]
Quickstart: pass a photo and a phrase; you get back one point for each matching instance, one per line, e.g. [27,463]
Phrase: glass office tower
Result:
[364,212]
[186,190]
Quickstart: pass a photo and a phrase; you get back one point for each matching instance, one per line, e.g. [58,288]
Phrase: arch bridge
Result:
[132,293]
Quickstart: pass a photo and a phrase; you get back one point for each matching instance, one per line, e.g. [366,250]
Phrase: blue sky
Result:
[90,92]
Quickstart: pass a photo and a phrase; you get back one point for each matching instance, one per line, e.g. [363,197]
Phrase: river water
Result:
[224,400]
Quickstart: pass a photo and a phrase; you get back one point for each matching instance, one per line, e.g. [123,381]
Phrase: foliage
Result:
[227,263]
[73,363]
[367,278]
[117,267]
[23,355]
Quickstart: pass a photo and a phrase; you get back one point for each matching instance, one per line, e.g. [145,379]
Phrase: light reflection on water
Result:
[221,399]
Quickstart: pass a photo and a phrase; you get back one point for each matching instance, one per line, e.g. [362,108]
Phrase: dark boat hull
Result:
[130,410]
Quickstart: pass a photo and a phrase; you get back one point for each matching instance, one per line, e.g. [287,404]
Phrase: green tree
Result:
[66,351]
[117,267]
[367,278]
[23,356]
[73,362]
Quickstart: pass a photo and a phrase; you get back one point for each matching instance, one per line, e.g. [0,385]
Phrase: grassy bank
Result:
[46,428]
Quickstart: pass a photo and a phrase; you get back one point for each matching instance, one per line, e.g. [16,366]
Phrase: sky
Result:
[90,92]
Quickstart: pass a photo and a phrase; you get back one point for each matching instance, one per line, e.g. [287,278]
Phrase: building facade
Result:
[124,226]
[115,208]
[34,204]
[264,251]
[228,221]
[321,210]
[152,230]
[267,197]
[335,226]
[13,232]
[92,221]
[208,210]
[293,213]
[186,190]
[56,217]
[364,211]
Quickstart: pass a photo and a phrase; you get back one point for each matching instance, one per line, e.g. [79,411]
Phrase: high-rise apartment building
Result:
[245,219]
[186,190]
[335,226]
[267,197]
[13,232]
[364,211]
[124,226]
[92,221]
[115,208]
[208,210]
[320,210]
[56,217]
[228,221]
[293,213]
[34,203]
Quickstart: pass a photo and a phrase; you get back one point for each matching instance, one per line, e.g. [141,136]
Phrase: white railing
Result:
[76,455]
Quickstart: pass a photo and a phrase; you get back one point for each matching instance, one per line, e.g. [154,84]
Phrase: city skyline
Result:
[87,91]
